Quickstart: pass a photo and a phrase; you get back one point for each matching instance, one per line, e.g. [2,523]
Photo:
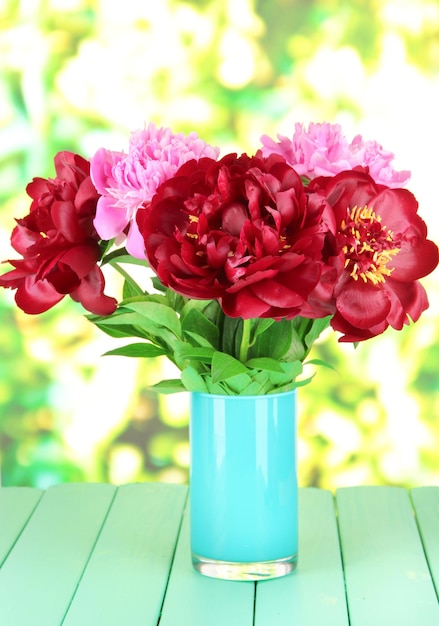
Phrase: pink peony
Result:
[323,150]
[128,181]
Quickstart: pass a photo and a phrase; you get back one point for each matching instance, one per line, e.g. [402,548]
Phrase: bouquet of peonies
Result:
[246,259]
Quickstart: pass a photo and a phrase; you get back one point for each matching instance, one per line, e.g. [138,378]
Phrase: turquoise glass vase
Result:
[243,485]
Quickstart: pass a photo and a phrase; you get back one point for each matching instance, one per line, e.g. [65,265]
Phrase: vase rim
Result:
[244,397]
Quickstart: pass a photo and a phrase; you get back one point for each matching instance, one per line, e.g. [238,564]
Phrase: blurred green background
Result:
[78,74]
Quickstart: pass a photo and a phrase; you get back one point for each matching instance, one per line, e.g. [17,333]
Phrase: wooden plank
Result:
[387,576]
[16,506]
[127,574]
[39,577]
[196,600]
[426,503]
[314,593]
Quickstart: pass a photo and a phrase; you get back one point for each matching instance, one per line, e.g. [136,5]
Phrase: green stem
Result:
[127,277]
[245,341]
[111,256]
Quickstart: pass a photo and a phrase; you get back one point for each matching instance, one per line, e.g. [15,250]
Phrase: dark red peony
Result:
[244,231]
[58,243]
[386,250]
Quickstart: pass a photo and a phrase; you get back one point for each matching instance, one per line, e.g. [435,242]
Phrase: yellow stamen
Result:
[370,246]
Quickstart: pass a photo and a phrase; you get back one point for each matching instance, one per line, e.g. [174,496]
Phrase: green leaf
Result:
[131,324]
[262,377]
[218,388]
[130,285]
[145,297]
[231,335]
[238,384]
[283,388]
[121,317]
[130,290]
[296,350]
[290,372]
[121,330]
[213,311]
[274,341]
[174,300]
[292,385]
[318,326]
[198,339]
[322,363]
[144,350]
[263,325]
[121,256]
[193,381]
[304,381]
[169,386]
[225,366]
[157,284]
[187,351]
[158,314]
[195,322]
[254,389]
[194,304]
[264,363]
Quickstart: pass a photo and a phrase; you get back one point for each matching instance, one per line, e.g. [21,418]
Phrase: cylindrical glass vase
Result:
[243,485]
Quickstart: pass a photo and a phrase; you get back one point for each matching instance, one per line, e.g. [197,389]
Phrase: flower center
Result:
[368,245]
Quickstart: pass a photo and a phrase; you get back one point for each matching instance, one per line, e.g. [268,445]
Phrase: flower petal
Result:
[110,220]
[35,297]
[409,300]
[135,244]
[90,294]
[362,304]
[65,219]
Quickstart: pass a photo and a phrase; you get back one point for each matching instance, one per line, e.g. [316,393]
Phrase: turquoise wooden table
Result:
[100,555]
